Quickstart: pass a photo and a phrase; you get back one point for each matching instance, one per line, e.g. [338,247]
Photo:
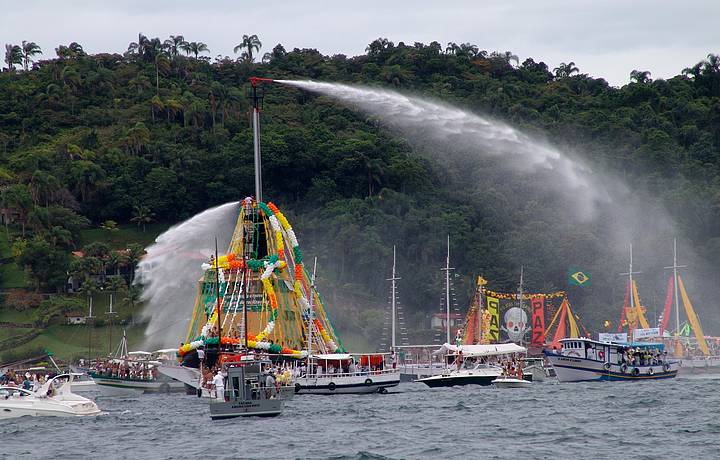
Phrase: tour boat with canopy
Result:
[473,364]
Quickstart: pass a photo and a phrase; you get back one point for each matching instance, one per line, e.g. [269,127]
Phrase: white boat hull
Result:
[347,384]
[511,383]
[121,387]
[572,369]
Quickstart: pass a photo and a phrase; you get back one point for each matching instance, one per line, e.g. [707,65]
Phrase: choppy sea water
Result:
[661,419]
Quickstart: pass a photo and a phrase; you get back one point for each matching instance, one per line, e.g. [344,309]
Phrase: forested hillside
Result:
[163,132]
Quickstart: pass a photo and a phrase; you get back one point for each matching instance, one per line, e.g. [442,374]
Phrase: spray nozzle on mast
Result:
[257,105]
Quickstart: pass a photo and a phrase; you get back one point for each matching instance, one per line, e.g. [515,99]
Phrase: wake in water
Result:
[432,125]
[170,271]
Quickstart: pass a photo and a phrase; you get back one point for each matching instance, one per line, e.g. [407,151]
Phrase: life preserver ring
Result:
[666,367]
[331,386]
[368,382]
[635,371]
[623,368]
[651,371]
[606,366]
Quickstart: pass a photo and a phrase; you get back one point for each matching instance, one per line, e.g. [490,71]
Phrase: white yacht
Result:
[471,366]
[54,398]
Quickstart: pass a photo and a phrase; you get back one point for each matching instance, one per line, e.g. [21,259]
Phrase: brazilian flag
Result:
[578,278]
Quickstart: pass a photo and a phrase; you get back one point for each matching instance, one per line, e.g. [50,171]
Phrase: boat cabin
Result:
[247,381]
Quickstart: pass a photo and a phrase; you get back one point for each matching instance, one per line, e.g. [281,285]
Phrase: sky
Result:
[605,38]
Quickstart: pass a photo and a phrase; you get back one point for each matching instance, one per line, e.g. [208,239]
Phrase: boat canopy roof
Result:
[139,353]
[641,345]
[167,350]
[334,356]
[481,350]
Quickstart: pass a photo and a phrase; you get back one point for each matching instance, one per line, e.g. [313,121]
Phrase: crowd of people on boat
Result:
[125,369]
[27,381]
[642,356]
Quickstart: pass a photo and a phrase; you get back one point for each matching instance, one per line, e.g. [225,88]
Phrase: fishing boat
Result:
[55,398]
[473,364]
[583,359]
[258,299]
[246,394]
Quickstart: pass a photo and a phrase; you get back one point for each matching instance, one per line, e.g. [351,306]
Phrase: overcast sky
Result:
[605,39]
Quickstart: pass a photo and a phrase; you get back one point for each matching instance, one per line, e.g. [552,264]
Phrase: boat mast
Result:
[257,99]
[310,316]
[88,320]
[630,274]
[520,292]
[447,290]
[217,294]
[674,268]
[393,279]
[110,317]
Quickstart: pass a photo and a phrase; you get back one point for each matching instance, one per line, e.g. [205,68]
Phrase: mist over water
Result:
[170,270]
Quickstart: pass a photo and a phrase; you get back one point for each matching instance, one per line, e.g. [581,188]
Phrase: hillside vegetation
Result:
[92,143]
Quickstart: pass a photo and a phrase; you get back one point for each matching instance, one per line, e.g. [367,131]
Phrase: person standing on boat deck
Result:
[219,383]
[201,357]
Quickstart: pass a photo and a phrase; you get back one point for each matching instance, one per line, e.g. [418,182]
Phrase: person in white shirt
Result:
[219,383]
[201,357]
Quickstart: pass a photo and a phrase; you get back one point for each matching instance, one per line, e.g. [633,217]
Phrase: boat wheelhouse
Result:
[583,359]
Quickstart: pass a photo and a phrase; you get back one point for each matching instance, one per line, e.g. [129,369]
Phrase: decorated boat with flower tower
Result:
[258,299]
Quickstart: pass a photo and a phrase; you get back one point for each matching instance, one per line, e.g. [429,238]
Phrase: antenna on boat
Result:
[447,289]
[674,268]
[88,320]
[110,314]
[257,100]
[310,316]
[630,274]
[217,295]
[393,312]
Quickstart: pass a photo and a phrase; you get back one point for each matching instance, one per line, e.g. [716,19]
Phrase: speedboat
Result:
[54,398]
[583,359]
[470,367]
[511,382]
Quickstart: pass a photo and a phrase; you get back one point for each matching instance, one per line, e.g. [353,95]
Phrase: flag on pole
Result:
[578,278]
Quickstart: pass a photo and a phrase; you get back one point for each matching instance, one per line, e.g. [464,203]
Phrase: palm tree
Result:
[29,49]
[173,45]
[508,56]
[640,76]
[138,48]
[249,43]
[565,70]
[13,55]
[142,216]
[194,48]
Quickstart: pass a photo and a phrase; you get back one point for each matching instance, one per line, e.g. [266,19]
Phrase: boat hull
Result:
[511,383]
[347,384]
[122,387]
[220,410]
[450,381]
[571,369]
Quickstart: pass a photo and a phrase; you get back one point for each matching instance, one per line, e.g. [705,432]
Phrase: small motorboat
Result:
[54,398]
[511,382]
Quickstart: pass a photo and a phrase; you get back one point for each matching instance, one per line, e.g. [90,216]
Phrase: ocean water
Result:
[661,419]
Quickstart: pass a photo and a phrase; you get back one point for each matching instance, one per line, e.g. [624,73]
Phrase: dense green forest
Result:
[162,132]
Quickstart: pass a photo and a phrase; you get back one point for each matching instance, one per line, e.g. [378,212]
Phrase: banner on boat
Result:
[493,306]
[613,337]
[537,305]
[646,333]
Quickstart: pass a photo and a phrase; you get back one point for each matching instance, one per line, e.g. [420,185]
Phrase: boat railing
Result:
[350,374]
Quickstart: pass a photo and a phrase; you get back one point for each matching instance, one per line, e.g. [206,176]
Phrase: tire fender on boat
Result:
[666,367]
[368,381]
[651,371]
[331,386]
[164,388]
[623,368]
[635,371]
[606,366]
[297,388]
